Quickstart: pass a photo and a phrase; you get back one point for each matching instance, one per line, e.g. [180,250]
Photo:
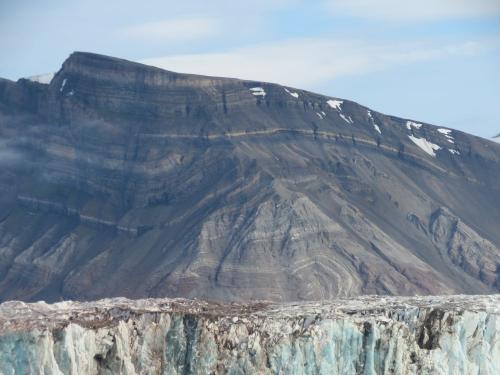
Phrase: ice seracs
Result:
[258,91]
[363,335]
[428,147]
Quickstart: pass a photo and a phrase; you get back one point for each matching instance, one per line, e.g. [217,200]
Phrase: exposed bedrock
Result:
[119,179]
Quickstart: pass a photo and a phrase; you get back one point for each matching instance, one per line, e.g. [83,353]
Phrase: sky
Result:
[434,61]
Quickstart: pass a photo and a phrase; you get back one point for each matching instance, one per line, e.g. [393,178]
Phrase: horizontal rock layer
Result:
[119,179]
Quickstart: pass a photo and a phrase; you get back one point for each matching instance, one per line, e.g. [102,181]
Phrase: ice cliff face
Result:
[368,335]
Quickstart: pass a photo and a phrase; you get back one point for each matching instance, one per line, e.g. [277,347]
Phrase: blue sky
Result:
[436,61]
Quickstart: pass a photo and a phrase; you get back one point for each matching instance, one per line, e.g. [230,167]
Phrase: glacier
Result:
[364,335]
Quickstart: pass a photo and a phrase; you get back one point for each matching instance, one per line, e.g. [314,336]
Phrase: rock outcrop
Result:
[120,179]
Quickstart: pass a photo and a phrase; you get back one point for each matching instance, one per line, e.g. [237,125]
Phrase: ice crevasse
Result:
[365,335]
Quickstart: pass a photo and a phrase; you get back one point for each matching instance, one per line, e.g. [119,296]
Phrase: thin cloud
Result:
[8,154]
[422,10]
[307,63]
[179,29]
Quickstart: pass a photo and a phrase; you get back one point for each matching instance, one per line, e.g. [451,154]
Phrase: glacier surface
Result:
[365,335]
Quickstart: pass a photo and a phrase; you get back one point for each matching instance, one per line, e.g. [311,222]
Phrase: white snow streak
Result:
[447,134]
[335,104]
[416,125]
[294,94]
[258,91]
[444,131]
[63,84]
[377,128]
[425,145]
[347,119]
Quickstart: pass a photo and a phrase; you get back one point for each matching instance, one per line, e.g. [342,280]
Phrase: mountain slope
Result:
[120,179]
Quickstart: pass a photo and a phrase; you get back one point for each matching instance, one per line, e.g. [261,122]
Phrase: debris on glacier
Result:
[364,335]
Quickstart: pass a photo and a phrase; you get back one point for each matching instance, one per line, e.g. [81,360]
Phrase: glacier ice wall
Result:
[366,335]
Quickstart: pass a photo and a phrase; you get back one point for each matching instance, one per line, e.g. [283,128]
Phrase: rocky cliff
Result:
[120,179]
[368,335]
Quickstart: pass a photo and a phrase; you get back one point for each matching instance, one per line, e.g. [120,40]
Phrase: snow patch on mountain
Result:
[425,145]
[377,128]
[335,104]
[410,124]
[258,91]
[445,131]
[65,80]
[294,94]
[347,119]
[447,134]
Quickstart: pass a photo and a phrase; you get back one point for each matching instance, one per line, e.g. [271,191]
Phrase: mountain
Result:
[120,179]
[365,335]
[496,138]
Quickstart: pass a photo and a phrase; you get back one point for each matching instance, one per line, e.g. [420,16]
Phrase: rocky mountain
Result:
[496,138]
[367,335]
[120,179]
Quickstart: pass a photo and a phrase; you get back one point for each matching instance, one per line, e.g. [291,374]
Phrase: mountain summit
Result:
[120,179]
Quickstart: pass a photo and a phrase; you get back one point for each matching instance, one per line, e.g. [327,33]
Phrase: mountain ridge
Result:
[77,57]
[133,181]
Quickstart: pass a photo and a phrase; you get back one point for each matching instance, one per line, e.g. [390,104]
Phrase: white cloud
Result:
[412,10]
[179,29]
[307,63]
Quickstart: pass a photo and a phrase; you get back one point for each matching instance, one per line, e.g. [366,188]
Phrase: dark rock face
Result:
[120,179]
